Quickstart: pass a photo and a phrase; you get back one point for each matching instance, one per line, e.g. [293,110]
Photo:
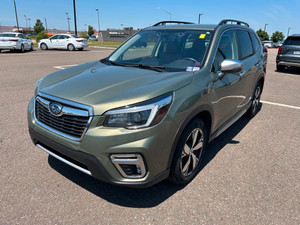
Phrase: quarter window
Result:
[245,45]
[255,42]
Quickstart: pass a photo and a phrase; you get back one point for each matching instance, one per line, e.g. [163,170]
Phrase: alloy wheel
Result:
[191,152]
[256,99]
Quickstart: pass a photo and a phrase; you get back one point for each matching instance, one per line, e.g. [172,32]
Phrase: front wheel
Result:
[189,153]
[44,46]
[71,47]
[22,49]
[253,110]
[80,49]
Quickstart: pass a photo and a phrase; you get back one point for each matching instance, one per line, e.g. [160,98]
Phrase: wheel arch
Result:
[204,113]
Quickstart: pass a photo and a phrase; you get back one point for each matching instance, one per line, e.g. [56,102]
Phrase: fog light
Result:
[129,165]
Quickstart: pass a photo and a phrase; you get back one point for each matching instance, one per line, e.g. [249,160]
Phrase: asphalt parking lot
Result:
[251,174]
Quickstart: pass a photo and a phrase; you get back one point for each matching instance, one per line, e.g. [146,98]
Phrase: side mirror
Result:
[230,66]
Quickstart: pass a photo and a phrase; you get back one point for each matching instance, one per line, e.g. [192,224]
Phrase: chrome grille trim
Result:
[69,125]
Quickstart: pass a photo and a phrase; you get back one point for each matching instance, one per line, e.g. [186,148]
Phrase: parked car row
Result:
[19,42]
[271,44]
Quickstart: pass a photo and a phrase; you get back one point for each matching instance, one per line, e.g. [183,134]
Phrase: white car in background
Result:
[15,41]
[63,41]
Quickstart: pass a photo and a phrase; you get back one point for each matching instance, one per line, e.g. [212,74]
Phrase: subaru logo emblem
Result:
[55,109]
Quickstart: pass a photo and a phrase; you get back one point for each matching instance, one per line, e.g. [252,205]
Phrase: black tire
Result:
[253,110]
[31,47]
[280,68]
[43,46]
[22,49]
[80,49]
[71,47]
[189,153]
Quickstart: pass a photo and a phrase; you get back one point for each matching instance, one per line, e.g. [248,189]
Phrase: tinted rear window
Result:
[245,45]
[292,41]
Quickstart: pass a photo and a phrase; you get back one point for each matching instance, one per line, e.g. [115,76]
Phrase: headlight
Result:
[140,115]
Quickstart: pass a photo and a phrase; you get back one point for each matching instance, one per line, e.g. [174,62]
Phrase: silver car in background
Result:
[15,41]
[63,41]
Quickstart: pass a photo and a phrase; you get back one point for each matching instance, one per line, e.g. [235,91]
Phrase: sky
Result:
[278,14]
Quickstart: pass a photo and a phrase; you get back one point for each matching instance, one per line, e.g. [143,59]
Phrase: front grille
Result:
[68,124]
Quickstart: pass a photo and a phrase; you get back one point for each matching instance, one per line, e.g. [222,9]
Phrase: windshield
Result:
[174,50]
[7,35]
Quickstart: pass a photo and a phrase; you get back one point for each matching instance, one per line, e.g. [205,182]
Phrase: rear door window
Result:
[245,45]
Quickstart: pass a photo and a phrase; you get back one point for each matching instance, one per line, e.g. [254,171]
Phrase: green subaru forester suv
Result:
[148,111]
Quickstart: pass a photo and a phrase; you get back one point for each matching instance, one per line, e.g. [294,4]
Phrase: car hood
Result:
[106,87]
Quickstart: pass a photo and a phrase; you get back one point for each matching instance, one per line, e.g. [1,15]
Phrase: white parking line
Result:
[282,105]
[63,66]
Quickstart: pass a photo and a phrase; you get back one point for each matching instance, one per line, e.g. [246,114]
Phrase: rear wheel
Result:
[31,47]
[189,153]
[71,47]
[44,46]
[252,111]
[80,49]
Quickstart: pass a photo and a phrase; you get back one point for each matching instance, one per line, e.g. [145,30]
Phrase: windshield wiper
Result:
[157,68]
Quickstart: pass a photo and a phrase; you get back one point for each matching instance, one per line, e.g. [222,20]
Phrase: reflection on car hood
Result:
[105,87]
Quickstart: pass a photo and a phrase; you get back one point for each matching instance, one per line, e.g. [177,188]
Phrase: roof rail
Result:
[165,22]
[238,22]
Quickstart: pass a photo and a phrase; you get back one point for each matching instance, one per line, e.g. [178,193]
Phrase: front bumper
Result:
[93,153]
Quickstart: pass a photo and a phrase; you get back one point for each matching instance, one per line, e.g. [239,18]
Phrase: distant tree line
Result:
[264,36]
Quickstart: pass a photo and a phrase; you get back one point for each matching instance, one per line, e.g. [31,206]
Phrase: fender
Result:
[183,125]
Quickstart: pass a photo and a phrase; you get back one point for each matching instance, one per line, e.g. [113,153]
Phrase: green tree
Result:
[38,27]
[90,30]
[41,36]
[277,36]
[263,35]
[83,34]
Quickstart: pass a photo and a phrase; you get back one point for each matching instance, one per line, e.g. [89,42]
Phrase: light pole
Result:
[265,26]
[199,18]
[68,19]
[46,24]
[75,17]
[26,21]
[98,21]
[29,22]
[288,32]
[170,14]
[16,15]
[85,27]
